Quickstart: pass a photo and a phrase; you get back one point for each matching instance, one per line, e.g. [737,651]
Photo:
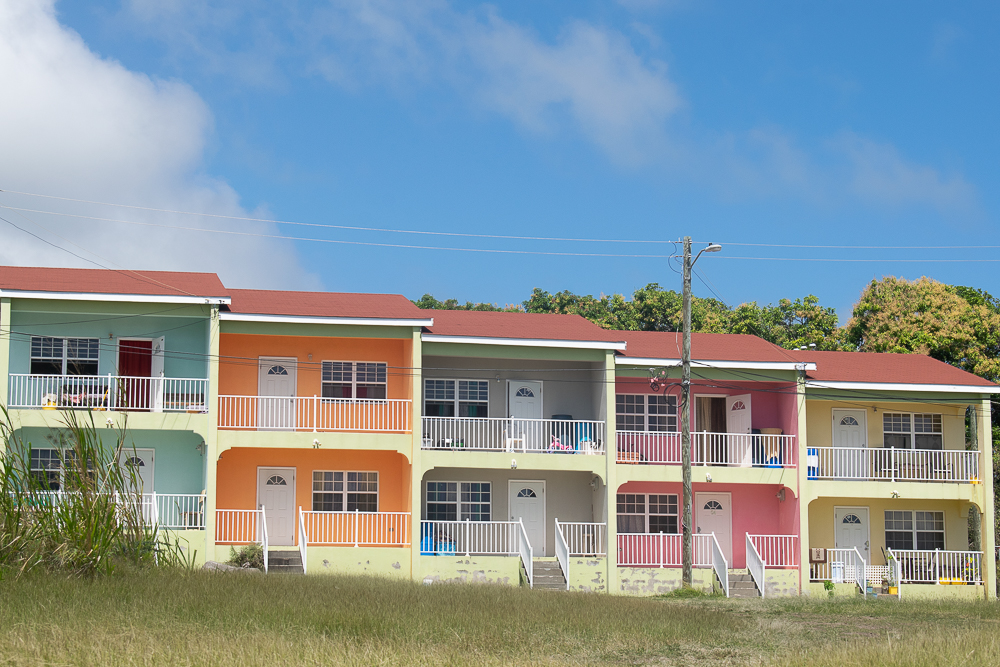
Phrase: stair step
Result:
[284,569]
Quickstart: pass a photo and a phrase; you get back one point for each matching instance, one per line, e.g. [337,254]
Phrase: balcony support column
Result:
[416,465]
[5,336]
[985,487]
[212,439]
[610,477]
[802,471]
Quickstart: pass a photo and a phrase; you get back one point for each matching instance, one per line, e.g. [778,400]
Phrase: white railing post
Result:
[562,552]
[303,539]
[756,565]
[720,565]
[356,521]
[527,555]
[937,566]
[263,525]
[468,536]
[315,413]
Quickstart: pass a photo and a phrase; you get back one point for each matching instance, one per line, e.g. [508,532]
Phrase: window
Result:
[903,430]
[337,491]
[459,501]
[645,412]
[653,513]
[462,398]
[45,468]
[64,356]
[354,379]
[905,529]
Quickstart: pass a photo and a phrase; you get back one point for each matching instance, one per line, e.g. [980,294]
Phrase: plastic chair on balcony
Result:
[513,441]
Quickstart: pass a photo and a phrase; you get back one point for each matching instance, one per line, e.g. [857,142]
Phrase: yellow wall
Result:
[819,419]
[237,474]
[821,525]
[239,352]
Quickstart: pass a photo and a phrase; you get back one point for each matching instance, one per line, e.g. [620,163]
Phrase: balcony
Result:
[492,434]
[164,511]
[893,465]
[355,529]
[268,413]
[716,449]
[107,392]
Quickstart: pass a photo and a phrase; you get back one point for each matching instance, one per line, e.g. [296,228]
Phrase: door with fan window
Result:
[714,514]
[276,495]
[276,393]
[849,457]
[527,504]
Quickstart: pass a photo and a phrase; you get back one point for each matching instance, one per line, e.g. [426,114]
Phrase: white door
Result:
[714,514]
[156,372]
[524,400]
[138,467]
[276,494]
[140,463]
[527,503]
[276,388]
[738,422]
[849,457]
[851,530]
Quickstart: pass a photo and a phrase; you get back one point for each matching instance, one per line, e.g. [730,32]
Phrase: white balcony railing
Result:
[662,550]
[777,550]
[891,464]
[239,526]
[108,392]
[557,436]
[939,567]
[390,529]
[469,538]
[843,566]
[166,511]
[562,553]
[584,539]
[725,449]
[315,413]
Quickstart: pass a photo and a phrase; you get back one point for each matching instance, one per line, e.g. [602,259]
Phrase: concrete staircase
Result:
[547,575]
[284,562]
[741,585]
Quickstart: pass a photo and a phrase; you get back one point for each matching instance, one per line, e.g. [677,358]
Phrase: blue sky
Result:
[773,123]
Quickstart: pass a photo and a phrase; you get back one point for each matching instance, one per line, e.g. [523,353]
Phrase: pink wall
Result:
[756,509]
[772,404]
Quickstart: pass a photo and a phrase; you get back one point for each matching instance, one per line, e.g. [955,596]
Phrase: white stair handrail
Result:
[562,552]
[720,565]
[863,583]
[755,565]
[303,539]
[527,556]
[263,535]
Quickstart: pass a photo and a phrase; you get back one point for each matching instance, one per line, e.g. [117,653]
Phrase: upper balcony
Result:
[740,450]
[108,392]
[315,413]
[889,464]
[499,434]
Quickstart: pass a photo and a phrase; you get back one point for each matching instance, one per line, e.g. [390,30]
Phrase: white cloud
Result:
[77,125]
[590,76]
[880,174]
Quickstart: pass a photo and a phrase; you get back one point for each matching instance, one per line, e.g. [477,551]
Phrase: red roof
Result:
[106,281]
[704,347]
[532,326]
[885,368]
[325,304]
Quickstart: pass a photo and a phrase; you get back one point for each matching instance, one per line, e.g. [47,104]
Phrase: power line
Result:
[490,250]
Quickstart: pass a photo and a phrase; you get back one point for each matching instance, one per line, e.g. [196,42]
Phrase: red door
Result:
[135,366]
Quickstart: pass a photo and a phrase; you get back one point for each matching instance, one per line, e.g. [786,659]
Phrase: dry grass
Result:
[177,618]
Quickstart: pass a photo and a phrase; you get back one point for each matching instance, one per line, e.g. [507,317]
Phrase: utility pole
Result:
[686,556]
[686,516]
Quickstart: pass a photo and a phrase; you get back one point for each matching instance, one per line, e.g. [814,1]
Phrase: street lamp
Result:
[686,556]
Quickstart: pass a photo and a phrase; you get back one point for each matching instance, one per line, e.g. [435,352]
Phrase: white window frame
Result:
[646,513]
[913,519]
[354,379]
[64,358]
[345,490]
[456,394]
[936,419]
[646,413]
[461,513]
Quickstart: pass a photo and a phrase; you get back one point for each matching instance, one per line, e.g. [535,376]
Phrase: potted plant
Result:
[890,578]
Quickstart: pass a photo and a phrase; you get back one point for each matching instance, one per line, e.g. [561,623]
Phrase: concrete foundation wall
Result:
[656,581]
[475,569]
[381,561]
[588,575]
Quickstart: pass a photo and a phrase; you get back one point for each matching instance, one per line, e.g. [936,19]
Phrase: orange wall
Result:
[237,474]
[238,368]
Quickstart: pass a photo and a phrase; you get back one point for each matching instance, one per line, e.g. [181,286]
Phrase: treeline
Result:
[956,324]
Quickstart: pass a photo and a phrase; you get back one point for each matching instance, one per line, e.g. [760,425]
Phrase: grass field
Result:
[179,618]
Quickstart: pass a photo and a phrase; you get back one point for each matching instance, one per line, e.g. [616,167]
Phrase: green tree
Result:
[957,325]
[428,302]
